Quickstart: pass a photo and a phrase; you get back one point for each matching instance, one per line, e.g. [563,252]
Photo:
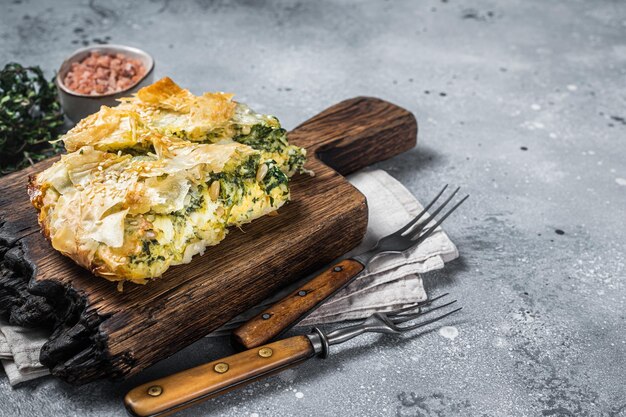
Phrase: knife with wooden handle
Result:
[284,314]
[176,392]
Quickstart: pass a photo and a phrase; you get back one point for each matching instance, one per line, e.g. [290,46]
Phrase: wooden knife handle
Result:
[173,393]
[297,305]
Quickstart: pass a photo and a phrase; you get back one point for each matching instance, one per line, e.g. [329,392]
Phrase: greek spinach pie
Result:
[155,180]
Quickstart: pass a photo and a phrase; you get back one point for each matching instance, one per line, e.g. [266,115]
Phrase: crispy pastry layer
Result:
[157,179]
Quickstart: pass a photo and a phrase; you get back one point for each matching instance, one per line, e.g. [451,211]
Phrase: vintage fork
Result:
[381,322]
[176,392]
[284,314]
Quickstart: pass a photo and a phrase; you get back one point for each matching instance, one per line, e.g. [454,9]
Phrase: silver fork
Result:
[284,314]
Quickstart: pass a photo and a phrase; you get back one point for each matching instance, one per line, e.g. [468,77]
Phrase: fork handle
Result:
[285,313]
[175,392]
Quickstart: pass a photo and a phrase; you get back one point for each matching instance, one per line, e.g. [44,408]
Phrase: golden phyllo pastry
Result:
[154,181]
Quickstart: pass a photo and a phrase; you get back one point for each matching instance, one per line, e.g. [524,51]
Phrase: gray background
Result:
[543,329]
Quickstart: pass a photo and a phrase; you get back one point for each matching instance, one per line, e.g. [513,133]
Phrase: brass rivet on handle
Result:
[155,391]
[221,367]
[266,352]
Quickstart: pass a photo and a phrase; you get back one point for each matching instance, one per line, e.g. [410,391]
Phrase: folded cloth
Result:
[390,282]
[19,352]
[5,349]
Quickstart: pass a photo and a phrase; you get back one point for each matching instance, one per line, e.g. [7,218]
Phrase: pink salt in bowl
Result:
[77,105]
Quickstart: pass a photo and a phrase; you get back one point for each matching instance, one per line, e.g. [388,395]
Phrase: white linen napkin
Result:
[19,352]
[391,281]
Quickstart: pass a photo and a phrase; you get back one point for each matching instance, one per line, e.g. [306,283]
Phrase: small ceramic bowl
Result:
[76,105]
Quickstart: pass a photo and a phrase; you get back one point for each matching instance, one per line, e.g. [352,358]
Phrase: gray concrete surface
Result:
[520,102]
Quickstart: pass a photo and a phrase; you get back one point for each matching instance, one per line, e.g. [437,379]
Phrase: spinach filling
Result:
[270,140]
[248,169]
[274,177]
[233,180]
[146,255]
[273,140]
[235,184]
[197,200]
[231,188]
[264,138]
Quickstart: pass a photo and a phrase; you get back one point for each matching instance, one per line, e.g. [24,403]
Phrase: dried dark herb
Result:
[30,117]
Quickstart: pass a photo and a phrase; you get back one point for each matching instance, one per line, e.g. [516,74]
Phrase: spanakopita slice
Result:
[152,182]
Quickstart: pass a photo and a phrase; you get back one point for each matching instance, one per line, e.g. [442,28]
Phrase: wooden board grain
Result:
[100,332]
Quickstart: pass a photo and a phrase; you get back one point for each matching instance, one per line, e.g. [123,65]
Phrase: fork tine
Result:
[415,306]
[415,232]
[431,229]
[419,216]
[450,197]
[427,322]
[408,317]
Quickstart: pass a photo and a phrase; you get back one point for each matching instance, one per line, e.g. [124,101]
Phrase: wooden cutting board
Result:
[100,332]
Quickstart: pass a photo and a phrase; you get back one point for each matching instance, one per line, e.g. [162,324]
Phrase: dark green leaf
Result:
[30,117]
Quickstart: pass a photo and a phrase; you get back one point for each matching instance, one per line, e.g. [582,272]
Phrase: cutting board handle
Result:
[356,133]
